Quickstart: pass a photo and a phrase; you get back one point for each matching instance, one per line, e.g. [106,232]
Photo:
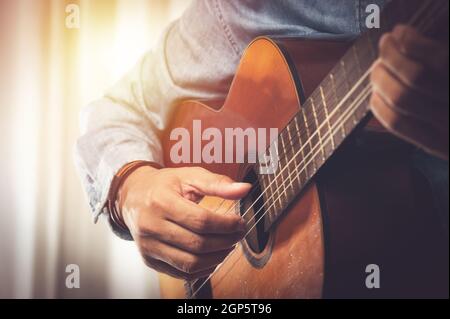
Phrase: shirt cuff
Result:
[100,190]
[115,215]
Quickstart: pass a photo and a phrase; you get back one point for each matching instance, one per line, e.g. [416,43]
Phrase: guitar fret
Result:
[310,146]
[277,187]
[302,146]
[322,109]
[346,82]
[285,168]
[268,194]
[268,188]
[365,51]
[292,152]
[297,173]
[327,117]
[358,65]
[318,129]
[338,111]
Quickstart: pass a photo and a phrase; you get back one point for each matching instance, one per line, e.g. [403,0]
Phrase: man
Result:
[119,153]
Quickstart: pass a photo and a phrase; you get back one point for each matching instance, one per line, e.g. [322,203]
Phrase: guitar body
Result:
[367,205]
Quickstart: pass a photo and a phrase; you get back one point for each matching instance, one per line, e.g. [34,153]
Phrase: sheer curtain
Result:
[47,73]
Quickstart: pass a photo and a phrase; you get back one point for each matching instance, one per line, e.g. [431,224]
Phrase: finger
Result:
[419,47]
[208,183]
[165,268]
[200,220]
[410,129]
[406,100]
[172,206]
[180,259]
[412,72]
[180,237]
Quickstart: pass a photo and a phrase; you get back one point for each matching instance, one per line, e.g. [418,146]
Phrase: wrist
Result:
[120,186]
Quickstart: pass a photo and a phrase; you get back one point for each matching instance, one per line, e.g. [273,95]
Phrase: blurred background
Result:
[48,71]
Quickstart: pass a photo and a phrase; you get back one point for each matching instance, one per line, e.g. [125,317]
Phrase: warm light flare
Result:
[49,72]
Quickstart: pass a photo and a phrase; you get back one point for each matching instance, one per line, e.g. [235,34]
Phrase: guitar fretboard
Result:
[333,110]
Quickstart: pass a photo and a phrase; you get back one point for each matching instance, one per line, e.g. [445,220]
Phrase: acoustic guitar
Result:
[345,199]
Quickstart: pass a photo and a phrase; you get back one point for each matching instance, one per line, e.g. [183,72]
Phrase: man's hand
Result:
[410,89]
[173,233]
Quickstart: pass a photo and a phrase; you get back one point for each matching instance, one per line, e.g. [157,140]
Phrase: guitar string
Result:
[297,138]
[328,138]
[256,223]
[289,177]
[334,128]
[289,151]
[303,132]
[363,99]
[349,114]
[365,92]
[321,114]
[306,144]
[411,19]
[317,147]
[298,135]
[248,232]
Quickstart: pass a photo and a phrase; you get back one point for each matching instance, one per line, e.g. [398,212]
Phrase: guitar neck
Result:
[335,108]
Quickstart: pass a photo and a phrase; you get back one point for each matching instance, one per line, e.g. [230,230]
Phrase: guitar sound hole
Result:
[253,211]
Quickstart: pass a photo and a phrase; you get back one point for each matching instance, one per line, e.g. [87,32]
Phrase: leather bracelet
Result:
[119,178]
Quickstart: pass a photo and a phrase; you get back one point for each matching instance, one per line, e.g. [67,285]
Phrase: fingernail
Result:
[240,184]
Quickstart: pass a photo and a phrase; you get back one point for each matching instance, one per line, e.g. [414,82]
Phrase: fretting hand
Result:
[410,89]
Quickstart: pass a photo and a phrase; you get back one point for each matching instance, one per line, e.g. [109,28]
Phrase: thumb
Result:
[218,185]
